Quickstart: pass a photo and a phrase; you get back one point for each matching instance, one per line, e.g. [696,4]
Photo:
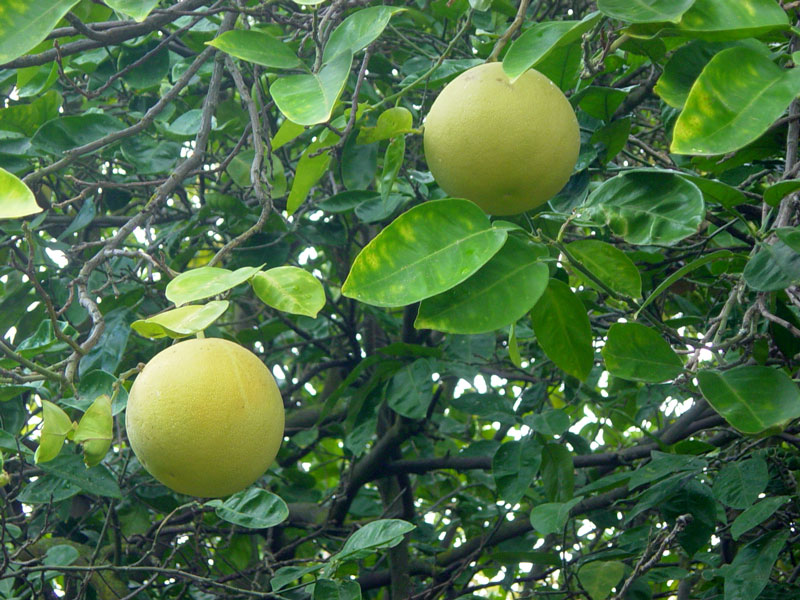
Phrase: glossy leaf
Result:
[748,574]
[181,322]
[205,282]
[392,161]
[498,294]
[290,289]
[65,133]
[752,398]
[410,390]
[778,191]
[789,236]
[95,431]
[514,466]
[736,98]
[376,535]
[328,589]
[648,207]
[24,24]
[644,11]
[686,64]
[714,20]
[310,169]
[609,264]
[425,251]
[684,270]
[56,427]
[252,508]
[394,121]
[740,483]
[599,577]
[562,329]
[309,99]
[71,469]
[558,473]
[536,44]
[16,198]
[358,31]
[552,517]
[257,47]
[136,9]
[756,514]
[634,351]
[549,422]
[773,268]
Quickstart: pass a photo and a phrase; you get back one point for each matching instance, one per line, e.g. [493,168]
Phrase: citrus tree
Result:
[592,399]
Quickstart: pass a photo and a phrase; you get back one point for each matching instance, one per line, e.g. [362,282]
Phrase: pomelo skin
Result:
[507,147]
[205,417]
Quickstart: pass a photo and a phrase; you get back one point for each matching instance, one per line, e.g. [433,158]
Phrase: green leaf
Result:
[558,472]
[95,431]
[489,407]
[789,236]
[562,329]
[16,198]
[24,24]
[376,535]
[252,508]
[778,191]
[310,169]
[636,352]
[662,464]
[290,289]
[328,589]
[498,294]
[648,207]
[714,20]
[358,31]
[695,264]
[70,468]
[686,64]
[309,99]
[257,47]
[514,466]
[751,398]
[756,514]
[538,42]
[550,422]
[394,121]
[65,133]
[599,577]
[392,161]
[95,384]
[150,155]
[551,517]
[205,282]
[410,390]
[188,124]
[55,428]
[644,11]
[60,555]
[736,98]
[748,574]
[425,251]
[181,322]
[135,9]
[600,102]
[773,268]
[609,264]
[286,575]
[739,484]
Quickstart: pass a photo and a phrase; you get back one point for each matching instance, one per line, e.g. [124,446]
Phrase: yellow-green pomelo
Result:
[205,417]
[508,147]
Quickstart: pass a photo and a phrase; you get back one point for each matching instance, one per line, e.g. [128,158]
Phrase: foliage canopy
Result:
[592,400]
